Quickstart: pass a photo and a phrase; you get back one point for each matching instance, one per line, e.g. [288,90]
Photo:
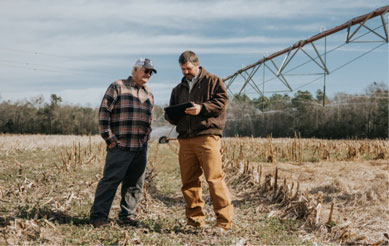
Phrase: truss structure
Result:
[357,31]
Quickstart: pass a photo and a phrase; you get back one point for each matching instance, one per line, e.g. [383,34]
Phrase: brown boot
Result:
[129,221]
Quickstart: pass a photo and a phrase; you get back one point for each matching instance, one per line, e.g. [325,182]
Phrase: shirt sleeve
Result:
[105,111]
[151,110]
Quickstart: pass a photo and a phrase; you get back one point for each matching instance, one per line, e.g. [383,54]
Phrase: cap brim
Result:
[150,67]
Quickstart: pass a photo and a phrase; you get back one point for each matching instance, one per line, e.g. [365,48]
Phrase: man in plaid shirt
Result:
[125,125]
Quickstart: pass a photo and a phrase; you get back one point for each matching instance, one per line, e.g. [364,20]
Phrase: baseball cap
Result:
[145,62]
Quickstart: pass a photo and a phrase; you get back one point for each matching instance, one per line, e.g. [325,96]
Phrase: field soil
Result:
[359,189]
[47,186]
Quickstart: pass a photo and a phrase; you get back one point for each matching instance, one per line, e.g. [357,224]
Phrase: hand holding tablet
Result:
[175,112]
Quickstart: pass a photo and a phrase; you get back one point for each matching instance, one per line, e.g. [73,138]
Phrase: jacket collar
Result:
[199,77]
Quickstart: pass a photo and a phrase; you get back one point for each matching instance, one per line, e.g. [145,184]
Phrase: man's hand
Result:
[113,144]
[195,110]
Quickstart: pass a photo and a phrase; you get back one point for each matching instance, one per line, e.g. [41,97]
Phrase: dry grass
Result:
[356,184]
[47,185]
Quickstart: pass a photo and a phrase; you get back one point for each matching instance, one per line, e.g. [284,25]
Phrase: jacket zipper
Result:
[188,117]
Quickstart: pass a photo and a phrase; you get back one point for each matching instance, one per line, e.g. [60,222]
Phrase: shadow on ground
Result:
[29,213]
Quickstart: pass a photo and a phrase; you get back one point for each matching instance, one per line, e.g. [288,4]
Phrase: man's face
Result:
[141,75]
[189,70]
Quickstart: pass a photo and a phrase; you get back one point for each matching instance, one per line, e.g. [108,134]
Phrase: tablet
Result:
[175,112]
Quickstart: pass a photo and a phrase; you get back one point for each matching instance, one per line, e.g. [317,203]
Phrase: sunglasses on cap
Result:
[148,71]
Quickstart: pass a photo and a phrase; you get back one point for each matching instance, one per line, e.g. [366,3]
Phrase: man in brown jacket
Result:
[199,131]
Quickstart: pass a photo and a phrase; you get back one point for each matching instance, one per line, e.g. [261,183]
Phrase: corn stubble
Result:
[245,159]
[326,186]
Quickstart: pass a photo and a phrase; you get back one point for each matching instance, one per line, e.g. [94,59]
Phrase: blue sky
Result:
[75,49]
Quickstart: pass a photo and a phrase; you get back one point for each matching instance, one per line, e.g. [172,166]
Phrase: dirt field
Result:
[360,190]
[47,185]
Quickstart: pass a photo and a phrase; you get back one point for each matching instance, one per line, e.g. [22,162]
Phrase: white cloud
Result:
[55,46]
[85,28]
[174,12]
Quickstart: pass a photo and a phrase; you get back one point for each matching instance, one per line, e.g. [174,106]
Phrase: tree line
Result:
[35,116]
[344,116]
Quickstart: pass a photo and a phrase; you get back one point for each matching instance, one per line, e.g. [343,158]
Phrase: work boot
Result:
[129,221]
[100,223]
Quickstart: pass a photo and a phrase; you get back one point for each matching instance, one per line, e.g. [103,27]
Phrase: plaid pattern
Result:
[125,115]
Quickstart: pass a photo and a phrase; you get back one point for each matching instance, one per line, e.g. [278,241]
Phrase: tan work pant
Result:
[200,155]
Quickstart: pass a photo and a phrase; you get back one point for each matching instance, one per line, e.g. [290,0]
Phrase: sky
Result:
[75,49]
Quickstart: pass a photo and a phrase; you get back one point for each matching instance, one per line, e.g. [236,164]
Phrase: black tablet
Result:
[174,112]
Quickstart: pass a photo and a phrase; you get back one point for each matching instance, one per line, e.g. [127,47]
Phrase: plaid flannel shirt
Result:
[125,115]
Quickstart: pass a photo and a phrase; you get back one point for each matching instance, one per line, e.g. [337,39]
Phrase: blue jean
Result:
[123,167]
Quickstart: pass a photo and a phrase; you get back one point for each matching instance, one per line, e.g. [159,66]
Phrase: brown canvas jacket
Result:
[210,92]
